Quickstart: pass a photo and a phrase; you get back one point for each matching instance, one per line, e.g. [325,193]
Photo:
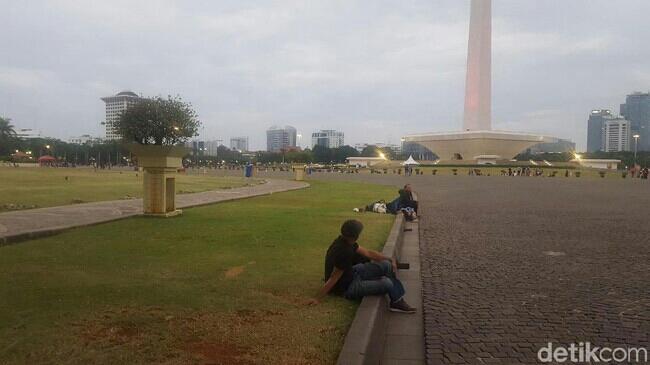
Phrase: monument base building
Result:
[471,145]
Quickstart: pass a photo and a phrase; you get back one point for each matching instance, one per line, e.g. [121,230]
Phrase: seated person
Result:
[350,273]
[406,198]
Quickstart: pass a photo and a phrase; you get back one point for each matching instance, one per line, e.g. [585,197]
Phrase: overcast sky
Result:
[374,69]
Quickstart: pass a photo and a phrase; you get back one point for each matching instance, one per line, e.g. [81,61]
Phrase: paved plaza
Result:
[512,263]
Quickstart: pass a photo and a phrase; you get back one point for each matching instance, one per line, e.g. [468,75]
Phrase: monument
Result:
[477,141]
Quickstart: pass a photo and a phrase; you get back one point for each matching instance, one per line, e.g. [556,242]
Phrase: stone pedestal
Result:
[160,165]
[159,192]
[299,172]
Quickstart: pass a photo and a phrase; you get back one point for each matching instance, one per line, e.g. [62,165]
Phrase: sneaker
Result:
[401,307]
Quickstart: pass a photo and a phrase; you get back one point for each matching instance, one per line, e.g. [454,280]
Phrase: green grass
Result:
[224,283]
[29,187]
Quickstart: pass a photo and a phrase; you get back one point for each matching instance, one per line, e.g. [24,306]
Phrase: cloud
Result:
[27,79]
[375,69]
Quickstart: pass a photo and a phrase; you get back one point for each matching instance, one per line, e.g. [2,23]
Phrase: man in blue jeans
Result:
[350,273]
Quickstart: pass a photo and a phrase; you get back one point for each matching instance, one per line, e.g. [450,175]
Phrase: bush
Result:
[158,121]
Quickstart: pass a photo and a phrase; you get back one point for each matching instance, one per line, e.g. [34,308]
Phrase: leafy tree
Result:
[159,121]
[322,154]
[8,136]
[342,153]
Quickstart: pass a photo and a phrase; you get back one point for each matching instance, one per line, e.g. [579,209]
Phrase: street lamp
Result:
[636,146]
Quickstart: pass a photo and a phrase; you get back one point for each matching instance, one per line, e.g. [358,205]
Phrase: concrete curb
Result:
[51,231]
[364,339]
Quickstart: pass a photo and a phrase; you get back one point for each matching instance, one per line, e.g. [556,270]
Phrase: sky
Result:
[376,70]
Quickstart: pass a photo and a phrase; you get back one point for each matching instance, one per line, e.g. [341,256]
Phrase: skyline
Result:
[375,73]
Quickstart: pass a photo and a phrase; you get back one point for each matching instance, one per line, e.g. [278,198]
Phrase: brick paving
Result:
[510,264]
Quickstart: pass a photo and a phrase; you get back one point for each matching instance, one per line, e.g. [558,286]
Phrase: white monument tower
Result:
[478,87]
[477,142]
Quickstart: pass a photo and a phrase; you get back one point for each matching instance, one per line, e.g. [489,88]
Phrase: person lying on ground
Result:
[376,207]
[354,272]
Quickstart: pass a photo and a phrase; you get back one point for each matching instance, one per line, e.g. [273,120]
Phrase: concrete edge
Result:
[363,341]
[42,233]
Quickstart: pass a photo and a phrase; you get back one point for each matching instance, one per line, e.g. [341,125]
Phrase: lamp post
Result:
[636,146]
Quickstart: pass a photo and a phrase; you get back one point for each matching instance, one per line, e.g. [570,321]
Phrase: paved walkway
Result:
[510,264]
[404,341]
[28,224]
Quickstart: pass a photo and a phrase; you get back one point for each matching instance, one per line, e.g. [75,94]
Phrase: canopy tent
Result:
[46,160]
[410,161]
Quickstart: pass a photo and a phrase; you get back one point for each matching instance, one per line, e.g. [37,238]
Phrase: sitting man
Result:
[406,198]
[350,273]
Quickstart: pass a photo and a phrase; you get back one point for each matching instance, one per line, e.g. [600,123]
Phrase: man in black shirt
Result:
[350,273]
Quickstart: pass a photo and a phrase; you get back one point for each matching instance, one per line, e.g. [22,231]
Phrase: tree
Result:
[158,121]
[342,153]
[322,154]
[8,136]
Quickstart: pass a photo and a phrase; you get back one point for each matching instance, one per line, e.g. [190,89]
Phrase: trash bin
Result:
[248,171]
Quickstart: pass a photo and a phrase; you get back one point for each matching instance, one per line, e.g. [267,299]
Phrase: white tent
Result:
[410,161]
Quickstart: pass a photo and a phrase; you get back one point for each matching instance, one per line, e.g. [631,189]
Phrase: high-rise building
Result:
[239,144]
[115,105]
[197,148]
[617,135]
[212,147]
[280,138]
[637,110]
[596,129]
[328,138]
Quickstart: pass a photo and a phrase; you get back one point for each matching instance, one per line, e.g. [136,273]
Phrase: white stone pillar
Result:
[478,87]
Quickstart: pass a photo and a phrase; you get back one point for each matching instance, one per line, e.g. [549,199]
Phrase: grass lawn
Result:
[46,187]
[221,284]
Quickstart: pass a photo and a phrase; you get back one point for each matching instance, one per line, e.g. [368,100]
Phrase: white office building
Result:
[328,138]
[280,138]
[239,144]
[617,135]
[115,105]
[84,139]
[211,148]
[28,133]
